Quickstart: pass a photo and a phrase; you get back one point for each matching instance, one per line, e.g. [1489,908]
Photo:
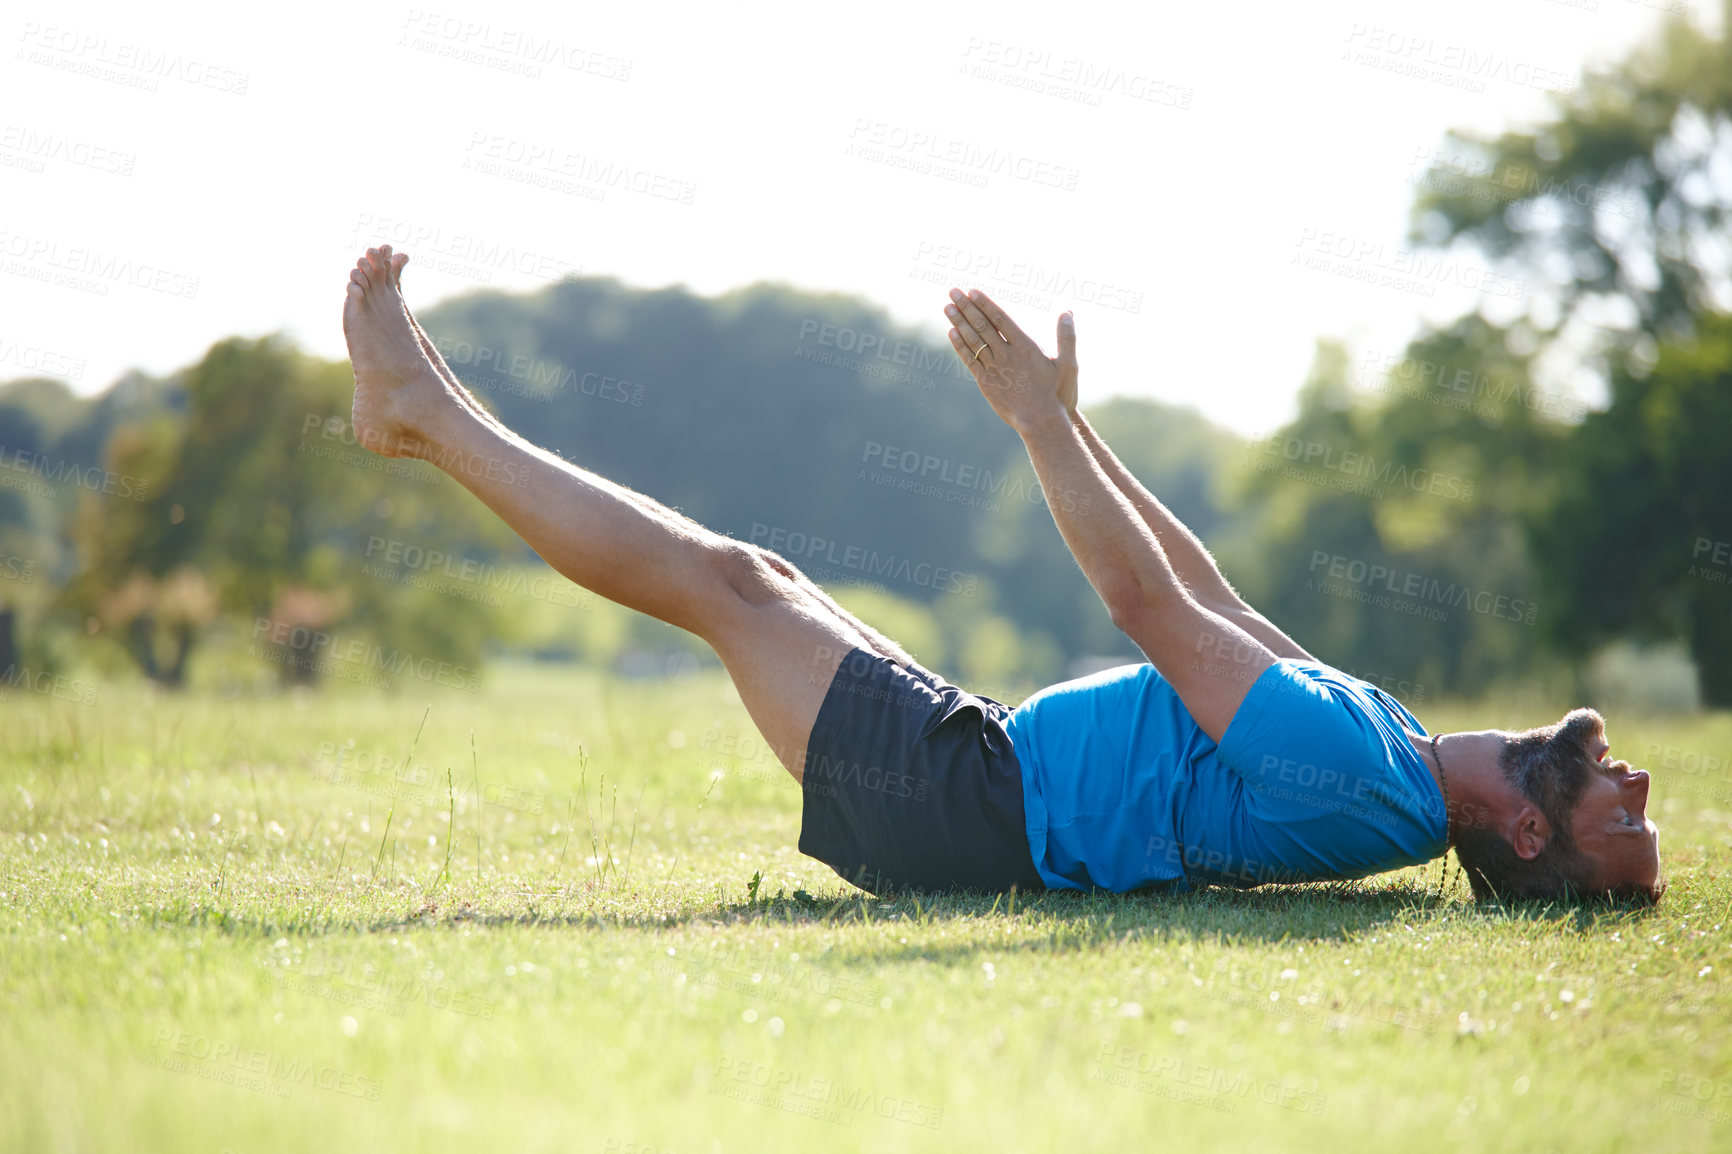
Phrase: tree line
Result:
[1444,517]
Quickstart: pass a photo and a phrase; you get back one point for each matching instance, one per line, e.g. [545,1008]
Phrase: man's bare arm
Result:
[1210,661]
[1188,556]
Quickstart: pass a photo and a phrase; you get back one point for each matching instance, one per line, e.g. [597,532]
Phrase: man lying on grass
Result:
[1232,758]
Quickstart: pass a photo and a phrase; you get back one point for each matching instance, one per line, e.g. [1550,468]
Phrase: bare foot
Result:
[394,264]
[396,386]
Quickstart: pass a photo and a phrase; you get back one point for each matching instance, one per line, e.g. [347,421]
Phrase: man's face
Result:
[1610,823]
[1604,803]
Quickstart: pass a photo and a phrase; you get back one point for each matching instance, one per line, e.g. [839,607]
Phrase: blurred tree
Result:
[257,503]
[787,415]
[159,620]
[1615,210]
[1640,537]
[1389,518]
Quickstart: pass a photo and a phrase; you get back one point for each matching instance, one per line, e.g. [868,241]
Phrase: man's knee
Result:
[757,575]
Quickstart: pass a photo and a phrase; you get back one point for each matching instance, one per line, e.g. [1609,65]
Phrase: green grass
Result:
[219,933]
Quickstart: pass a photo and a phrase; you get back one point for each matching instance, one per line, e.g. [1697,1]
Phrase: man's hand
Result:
[1022,384]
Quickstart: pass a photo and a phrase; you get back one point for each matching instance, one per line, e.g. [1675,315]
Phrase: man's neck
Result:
[1478,790]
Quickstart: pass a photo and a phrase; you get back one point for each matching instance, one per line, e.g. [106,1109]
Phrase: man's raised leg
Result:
[393,264]
[779,643]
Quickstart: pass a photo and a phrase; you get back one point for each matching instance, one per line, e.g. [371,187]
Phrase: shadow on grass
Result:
[1321,911]
[1045,922]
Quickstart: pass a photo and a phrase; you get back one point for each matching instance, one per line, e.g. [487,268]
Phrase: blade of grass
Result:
[380,858]
[450,826]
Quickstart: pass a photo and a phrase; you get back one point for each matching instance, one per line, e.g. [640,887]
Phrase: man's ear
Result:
[1530,833]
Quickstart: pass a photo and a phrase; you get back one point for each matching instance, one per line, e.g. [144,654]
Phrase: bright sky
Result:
[172,175]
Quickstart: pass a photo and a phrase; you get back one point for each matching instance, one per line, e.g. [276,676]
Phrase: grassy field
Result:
[253,924]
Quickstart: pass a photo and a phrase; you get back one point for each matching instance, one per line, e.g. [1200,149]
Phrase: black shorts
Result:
[911,784]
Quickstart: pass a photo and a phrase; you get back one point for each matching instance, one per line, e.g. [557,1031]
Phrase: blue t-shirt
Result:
[1314,779]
